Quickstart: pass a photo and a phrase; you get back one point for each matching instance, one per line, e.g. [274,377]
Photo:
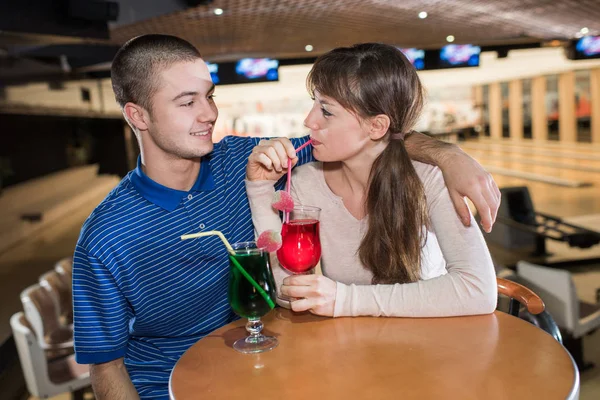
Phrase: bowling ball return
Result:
[521,233]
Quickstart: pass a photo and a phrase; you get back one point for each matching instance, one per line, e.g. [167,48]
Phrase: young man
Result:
[141,295]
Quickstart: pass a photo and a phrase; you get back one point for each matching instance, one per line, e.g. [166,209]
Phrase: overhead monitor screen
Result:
[459,55]
[587,47]
[214,72]
[257,70]
[415,56]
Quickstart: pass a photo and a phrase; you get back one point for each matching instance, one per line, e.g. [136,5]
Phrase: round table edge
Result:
[573,394]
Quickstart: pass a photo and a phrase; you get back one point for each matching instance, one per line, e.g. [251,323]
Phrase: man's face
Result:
[183,112]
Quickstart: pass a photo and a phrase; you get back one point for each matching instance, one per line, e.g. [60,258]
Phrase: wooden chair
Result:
[519,294]
[533,310]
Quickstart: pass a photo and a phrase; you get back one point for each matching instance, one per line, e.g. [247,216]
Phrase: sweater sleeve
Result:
[468,288]
[265,217]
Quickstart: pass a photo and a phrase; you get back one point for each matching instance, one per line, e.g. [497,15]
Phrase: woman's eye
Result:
[326,113]
[188,104]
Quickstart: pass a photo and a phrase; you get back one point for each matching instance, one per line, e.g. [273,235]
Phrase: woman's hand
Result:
[316,293]
[466,177]
[269,159]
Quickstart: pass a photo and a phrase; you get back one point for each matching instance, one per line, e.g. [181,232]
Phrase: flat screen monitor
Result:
[587,47]
[214,72]
[415,56]
[256,70]
[459,55]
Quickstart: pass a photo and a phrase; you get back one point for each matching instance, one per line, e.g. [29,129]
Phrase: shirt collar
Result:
[165,197]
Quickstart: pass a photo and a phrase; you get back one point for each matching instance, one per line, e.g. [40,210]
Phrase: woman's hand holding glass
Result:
[316,293]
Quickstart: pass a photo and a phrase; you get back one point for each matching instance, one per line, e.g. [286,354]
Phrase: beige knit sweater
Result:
[457,272]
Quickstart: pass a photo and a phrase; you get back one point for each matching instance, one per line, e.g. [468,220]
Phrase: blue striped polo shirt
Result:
[141,293]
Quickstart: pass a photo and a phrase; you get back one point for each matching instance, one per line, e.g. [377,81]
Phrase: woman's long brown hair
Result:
[372,79]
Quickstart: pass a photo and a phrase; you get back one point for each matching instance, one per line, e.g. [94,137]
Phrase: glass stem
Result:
[254,327]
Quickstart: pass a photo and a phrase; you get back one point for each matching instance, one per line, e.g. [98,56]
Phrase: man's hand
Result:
[316,293]
[466,177]
[269,159]
[462,174]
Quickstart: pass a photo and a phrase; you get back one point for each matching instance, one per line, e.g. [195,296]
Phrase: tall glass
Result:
[301,247]
[245,300]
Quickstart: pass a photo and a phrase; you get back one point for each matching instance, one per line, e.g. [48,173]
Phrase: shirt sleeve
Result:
[101,314]
[239,148]
[468,288]
[265,217]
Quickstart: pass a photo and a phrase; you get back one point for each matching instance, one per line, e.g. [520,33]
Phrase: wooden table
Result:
[494,356]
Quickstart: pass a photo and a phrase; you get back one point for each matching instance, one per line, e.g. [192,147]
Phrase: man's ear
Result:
[136,115]
[379,126]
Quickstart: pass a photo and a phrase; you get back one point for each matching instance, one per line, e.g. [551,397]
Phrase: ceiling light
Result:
[584,31]
[218,11]
[450,38]
[423,14]
[308,47]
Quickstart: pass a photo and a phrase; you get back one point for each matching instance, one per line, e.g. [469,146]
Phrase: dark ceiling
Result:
[282,28]
[273,28]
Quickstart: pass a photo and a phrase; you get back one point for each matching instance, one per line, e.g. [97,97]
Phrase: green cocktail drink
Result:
[244,298]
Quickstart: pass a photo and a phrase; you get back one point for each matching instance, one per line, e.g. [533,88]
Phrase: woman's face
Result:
[338,135]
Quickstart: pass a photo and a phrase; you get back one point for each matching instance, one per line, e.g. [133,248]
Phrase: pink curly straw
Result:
[289,177]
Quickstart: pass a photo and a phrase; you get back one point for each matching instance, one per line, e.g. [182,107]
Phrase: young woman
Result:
[392,244]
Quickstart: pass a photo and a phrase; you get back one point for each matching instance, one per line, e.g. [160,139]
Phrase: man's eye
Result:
[188,104]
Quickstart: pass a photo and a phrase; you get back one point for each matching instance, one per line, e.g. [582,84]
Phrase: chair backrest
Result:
[520,294]
[31,355]
[535,313]
[61,292]
[517,206]
[45,378]
[65,266]
[557,289]
[41,312]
